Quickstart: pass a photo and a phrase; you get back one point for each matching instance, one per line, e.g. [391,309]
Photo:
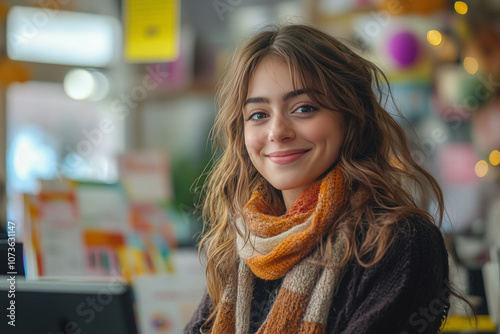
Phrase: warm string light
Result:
[481,168]
[461,7]
[434,37]
[471,65]
[495,157]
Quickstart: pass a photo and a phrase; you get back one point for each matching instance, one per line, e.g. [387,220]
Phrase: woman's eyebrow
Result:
[286,97]
[294,93]
[257,100]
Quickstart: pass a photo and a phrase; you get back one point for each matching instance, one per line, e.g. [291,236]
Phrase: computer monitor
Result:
[66,307]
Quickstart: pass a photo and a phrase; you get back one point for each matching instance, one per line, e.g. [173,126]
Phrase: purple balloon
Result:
[404,48]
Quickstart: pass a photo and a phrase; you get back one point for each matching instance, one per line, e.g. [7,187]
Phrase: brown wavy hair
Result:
[375,157]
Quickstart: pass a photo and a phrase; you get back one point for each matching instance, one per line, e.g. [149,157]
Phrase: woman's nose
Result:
[280,130]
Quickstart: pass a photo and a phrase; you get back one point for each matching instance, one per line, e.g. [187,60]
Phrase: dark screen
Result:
[103,311]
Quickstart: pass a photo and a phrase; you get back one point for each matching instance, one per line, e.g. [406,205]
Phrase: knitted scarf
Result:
[286,246]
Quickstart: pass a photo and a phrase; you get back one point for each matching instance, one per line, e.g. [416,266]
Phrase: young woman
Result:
[314,221]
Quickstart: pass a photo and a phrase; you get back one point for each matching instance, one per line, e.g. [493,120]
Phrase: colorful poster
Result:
[166,302]
[56,233]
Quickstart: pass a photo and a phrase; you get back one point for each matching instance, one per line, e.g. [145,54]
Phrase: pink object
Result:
[404,48]
[486,126]
[457,163]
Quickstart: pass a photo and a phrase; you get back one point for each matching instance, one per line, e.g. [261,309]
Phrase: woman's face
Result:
[290,140]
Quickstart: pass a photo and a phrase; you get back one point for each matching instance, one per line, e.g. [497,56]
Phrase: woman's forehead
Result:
[299,76]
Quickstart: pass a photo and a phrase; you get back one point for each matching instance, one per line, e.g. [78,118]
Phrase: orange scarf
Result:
[285,246]
[277,243]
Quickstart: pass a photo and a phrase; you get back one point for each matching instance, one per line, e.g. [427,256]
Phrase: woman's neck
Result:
[291,195]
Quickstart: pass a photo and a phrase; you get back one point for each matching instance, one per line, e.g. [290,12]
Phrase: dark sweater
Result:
[406,292]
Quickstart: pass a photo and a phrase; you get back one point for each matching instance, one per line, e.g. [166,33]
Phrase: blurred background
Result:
[106,108]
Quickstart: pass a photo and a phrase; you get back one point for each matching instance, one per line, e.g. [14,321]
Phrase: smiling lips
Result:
[286,157]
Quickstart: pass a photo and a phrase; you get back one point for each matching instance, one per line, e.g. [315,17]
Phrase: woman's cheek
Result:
[319,133]
[253,142]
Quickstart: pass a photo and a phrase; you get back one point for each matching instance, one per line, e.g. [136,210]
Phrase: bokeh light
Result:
[81,84]
[461,7]
[495,157]
[471,65]
[481,168]
[434,37]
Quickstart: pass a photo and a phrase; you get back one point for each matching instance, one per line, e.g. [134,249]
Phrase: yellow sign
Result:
[463,324]
[151,30]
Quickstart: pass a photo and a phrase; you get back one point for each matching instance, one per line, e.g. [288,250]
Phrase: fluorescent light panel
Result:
[61,37]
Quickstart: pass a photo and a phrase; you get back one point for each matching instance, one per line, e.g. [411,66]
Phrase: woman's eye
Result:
[257,116]
[306,109]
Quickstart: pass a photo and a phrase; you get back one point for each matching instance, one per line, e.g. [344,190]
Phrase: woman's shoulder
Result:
[386,297]
[417,230]
[417,255]
[420,242]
